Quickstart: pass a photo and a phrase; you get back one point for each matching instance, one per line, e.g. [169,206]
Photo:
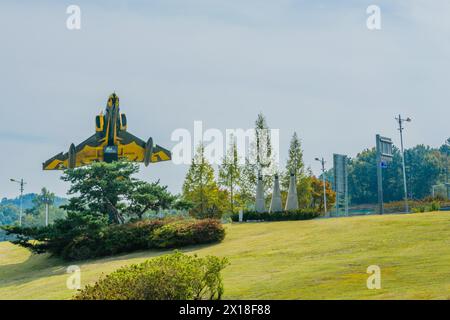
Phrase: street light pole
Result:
[21,183]
[400,128]
[322,161]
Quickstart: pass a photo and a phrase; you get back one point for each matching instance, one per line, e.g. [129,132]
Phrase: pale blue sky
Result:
[309,66]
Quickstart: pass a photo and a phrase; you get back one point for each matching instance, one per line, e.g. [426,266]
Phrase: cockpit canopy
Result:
[113,100]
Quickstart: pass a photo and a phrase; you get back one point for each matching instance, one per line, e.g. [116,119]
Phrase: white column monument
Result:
[292,199]
[275,204]
[260,201]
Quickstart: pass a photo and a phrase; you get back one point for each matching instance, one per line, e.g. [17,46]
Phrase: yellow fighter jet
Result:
[110,142]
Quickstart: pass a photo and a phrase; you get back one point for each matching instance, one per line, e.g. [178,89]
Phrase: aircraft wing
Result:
[88,151]
[133,149]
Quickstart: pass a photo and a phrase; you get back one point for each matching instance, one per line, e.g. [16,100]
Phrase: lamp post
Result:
[322,162]
[400,121]
[21,183]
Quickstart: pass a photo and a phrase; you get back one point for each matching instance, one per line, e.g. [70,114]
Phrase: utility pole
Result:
[447,144]
[322,161]
[433,193]
[47,201]
[46,214]
[21,183]
[346,186]
[400,128]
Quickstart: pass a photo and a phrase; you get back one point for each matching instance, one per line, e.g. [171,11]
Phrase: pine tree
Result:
[109,189]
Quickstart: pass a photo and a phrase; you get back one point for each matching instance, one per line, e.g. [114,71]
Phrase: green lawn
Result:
[319,259]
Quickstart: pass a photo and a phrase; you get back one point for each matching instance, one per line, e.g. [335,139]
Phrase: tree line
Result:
[233,186]
[425,168]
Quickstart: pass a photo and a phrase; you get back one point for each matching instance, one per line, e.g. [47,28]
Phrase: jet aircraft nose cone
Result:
[113,100]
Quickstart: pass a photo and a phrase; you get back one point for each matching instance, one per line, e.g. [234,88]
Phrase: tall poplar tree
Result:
[230,173]
[296,165]
[259,160]
[201,189]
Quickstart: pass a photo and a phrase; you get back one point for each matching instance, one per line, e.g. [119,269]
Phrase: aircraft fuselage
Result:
[108,126]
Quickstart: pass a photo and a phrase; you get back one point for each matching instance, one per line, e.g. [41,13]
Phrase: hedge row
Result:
[83,236]
[279,216]
[174,276]
[146,234]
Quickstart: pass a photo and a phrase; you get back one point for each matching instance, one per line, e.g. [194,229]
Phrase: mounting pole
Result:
[400,128]
[21,183]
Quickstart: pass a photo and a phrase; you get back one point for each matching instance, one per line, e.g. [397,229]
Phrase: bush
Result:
[77,230]
[280,216]
[83,237]
[113,239]
[433,206]
[187,233]
[130,236]
[82,248]
[169,277]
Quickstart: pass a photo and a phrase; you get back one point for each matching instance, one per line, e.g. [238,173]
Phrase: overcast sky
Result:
[309,66]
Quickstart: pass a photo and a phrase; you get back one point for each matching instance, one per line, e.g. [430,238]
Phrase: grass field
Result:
[318,259]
